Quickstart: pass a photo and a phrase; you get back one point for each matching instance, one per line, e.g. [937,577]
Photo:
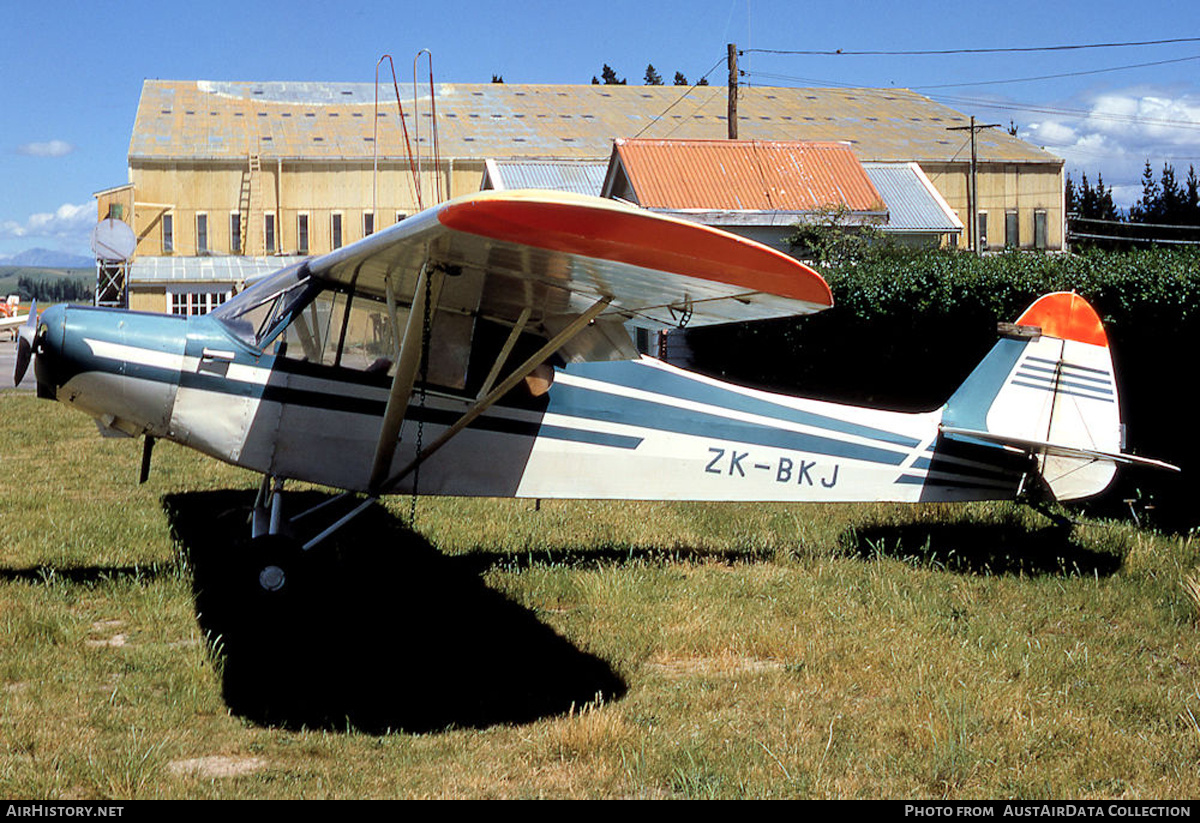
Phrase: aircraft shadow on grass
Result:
[379,632]
[985,548]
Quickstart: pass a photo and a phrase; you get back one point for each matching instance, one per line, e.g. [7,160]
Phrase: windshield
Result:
[257,314]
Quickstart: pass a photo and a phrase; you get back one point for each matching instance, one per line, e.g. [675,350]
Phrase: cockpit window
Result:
[344,329]
[310,321]
[258,314]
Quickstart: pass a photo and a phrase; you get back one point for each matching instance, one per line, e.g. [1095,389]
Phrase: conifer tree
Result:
[1149,207]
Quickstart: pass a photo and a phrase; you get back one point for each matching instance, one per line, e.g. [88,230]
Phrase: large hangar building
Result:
[227,178]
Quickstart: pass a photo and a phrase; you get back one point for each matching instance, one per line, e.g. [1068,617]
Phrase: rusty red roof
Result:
[745,175]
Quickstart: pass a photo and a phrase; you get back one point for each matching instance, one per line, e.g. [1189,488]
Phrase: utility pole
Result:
[731,61]
[972,186]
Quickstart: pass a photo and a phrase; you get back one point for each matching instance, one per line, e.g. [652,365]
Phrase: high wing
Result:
[555,254]
[569,268]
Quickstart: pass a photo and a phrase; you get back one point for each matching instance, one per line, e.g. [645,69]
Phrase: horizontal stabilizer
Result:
[1043,447]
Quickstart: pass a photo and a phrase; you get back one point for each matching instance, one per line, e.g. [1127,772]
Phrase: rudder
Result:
[1048,387]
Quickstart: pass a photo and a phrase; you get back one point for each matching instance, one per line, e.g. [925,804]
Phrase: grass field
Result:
[577,649]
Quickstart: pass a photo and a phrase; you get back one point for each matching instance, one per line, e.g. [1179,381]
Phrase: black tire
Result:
[276,567]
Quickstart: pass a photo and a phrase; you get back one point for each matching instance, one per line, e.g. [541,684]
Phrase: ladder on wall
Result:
[250,207]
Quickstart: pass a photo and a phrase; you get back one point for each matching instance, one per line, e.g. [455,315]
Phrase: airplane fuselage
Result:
[621,430]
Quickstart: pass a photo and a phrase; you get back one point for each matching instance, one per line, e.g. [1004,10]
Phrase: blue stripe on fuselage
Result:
[590,404]
[634,375]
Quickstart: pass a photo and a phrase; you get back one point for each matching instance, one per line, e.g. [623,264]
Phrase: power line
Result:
[1062,75]
[682,97]
[1001,50]
[1111,117]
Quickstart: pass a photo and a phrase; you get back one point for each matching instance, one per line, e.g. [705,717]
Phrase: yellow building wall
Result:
[117,202]
[1025,189]
[148,299]
[286,189]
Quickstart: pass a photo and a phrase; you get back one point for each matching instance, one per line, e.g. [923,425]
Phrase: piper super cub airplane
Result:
[384,367]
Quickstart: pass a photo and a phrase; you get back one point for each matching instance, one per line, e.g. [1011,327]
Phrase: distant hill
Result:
[47,259]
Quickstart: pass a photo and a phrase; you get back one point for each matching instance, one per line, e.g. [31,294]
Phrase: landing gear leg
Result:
[277,550]
[274,555]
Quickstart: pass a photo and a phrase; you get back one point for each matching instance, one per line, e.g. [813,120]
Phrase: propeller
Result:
[25,338]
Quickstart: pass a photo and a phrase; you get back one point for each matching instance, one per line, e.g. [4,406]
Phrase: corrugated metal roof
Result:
[227,120]
[232,269]
[745,175]
[914,205]
[577,177]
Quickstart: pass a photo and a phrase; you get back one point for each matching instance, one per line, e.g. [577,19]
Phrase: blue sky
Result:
[72,71]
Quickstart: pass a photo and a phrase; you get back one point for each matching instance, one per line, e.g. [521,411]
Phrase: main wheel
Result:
[275,565]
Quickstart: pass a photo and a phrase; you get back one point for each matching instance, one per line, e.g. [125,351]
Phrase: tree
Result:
[1191,198]
[1106,209]
[653,78]
[1148,209]
[1172,197]
[1087,198]
[609,76]
[497,78]
[1090,203]
[831,239]
[680,79]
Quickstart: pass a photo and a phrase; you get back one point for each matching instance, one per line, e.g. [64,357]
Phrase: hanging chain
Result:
[426,329]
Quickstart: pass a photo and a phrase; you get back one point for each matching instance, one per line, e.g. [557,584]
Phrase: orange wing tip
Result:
[1067,316]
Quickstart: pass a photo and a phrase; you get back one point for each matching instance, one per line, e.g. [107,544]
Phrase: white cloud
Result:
[1117,131]
[51,148]
[1051,132]
[67,221]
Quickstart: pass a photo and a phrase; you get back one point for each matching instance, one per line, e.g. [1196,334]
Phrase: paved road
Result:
[8,363]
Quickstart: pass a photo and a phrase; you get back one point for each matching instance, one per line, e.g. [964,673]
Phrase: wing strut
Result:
[505,350]
[406,371]
[482,404]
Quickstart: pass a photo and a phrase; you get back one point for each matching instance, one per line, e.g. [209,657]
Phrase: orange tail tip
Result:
[1067,316]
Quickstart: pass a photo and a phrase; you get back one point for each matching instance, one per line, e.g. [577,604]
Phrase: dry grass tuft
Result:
[1191,585]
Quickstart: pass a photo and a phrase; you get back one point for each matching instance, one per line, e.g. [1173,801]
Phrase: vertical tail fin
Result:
[1048,387]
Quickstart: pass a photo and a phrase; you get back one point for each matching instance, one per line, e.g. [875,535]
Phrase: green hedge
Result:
[907,328]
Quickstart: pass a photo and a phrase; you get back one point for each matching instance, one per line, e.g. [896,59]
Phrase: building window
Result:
[269,233]
[1012,230]
[368,224]
[1039,230]
[400,216]
[201,233]
[335,230]
[235,233]
[302,233]
[982,235]
[201,301]
[168,233]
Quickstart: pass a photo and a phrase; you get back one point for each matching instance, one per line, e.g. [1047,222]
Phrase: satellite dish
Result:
[113,240]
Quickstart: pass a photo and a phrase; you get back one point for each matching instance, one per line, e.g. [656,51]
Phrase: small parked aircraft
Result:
[384,367]
[10,320]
